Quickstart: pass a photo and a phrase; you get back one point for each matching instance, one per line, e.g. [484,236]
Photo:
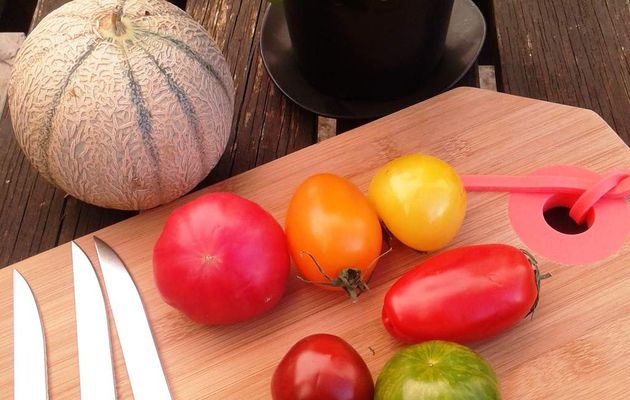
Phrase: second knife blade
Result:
[146,375]
[95,357]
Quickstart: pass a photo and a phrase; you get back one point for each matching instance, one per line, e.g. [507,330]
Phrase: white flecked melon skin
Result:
[127,122]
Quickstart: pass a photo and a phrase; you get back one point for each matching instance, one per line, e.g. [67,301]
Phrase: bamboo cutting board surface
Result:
[576,347]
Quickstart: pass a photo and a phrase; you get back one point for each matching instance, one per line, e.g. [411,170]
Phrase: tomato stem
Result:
[538,277]
[387,238]
[349,279]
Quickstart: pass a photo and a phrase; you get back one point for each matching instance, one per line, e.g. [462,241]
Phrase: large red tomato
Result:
[221,259]
[463,295]
[322,367]
[333,232]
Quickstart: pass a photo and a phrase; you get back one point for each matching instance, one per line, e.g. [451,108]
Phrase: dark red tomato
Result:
[221,259]
[322,367]
[463,295]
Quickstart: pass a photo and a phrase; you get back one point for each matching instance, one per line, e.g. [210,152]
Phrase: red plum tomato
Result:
[463,295]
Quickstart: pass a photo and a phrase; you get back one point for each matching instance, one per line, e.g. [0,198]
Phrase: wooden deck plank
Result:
[574,52]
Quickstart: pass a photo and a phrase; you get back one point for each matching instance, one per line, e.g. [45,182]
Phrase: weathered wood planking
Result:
[35,216]
[575,348]
[574,52]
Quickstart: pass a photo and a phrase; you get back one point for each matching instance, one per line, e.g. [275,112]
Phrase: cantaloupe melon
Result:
[122,104]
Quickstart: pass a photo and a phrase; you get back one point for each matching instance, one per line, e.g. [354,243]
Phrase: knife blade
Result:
[30,378]
[96,374]
[134,332]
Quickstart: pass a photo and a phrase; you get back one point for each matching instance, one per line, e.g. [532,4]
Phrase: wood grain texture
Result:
[266,125]
[575,346]
[35,216]
[573,52]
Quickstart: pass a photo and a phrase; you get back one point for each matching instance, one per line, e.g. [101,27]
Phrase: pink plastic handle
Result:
[539,184]
[612,185]
[593,194]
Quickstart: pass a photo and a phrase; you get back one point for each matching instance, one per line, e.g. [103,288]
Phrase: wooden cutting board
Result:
[576,347]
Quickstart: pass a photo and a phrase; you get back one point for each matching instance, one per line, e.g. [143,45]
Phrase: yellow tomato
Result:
[421,200]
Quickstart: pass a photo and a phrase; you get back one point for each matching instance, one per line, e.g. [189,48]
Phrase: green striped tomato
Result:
[437,370]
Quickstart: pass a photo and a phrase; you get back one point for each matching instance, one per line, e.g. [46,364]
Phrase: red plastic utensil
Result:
[541,184]
[613,185]
[597,202]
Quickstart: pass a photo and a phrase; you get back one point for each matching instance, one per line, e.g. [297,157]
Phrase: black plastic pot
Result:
[367,49]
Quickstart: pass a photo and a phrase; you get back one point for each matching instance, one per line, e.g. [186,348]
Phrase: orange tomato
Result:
[334,234]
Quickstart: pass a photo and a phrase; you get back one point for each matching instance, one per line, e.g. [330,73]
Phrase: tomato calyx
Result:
[538,277]
[349,279]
